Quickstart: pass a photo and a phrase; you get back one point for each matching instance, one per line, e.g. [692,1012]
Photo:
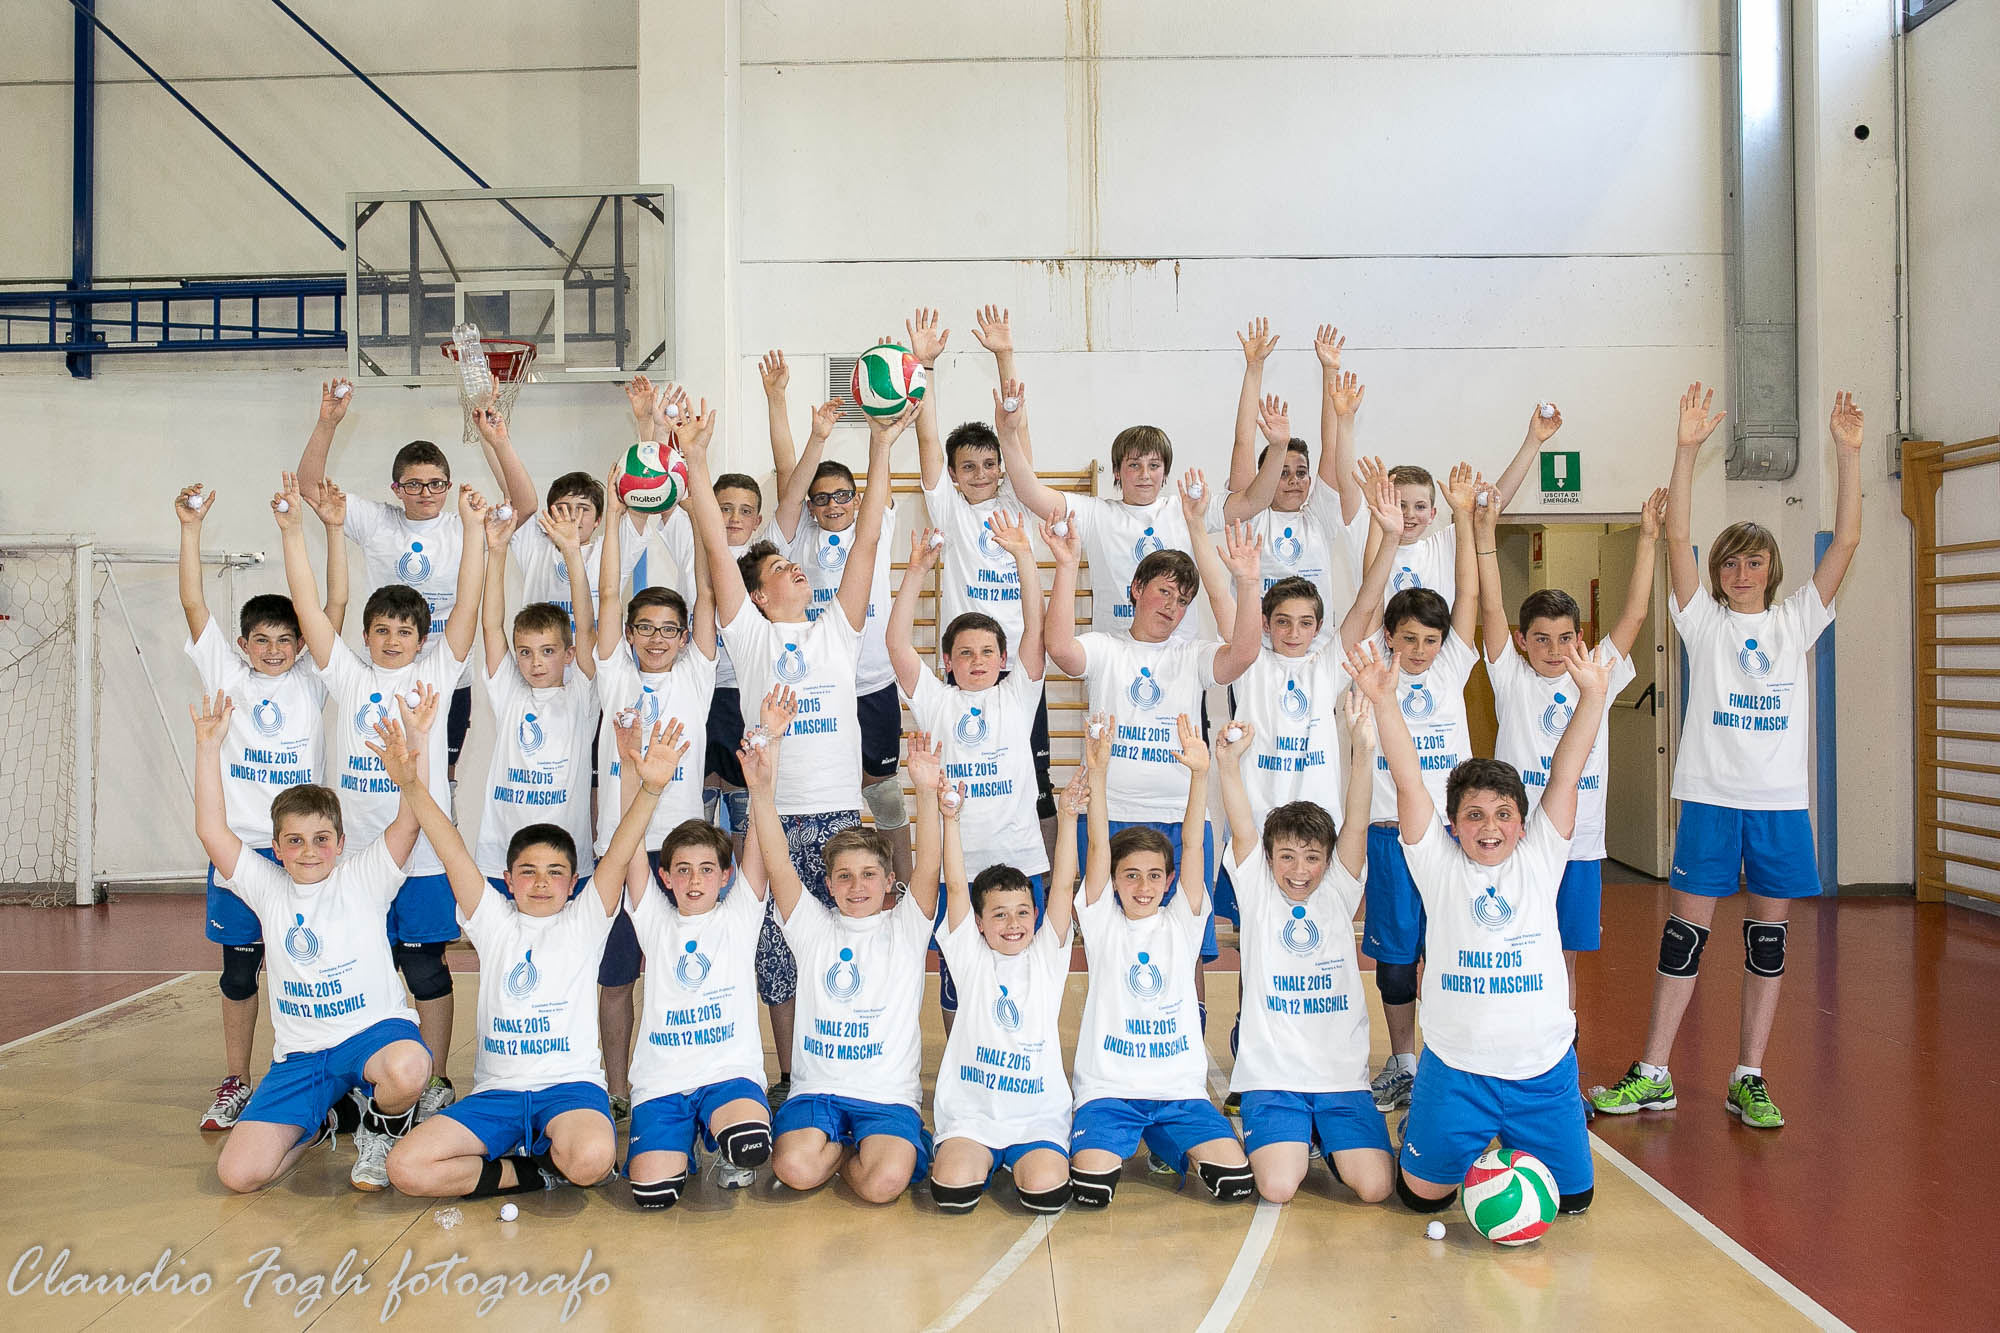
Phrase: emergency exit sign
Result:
[1562,478]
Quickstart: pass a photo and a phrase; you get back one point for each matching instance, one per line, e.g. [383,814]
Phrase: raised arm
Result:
[498,446]
[400,838]
[725,579]
[760,777]
[993,327]
[1351,845]
[1486,550]
[926,860]
[1593,680]
[1232,742]
[777,377]
[1846,427]
[1375,677]
[1059,627]
[1010,532]
[1386,521]
[663,752]
[1541,429]
[288,507]
[858,578]
[402,760]
[1257,342]
[335,397]
[1099,731]
[903,657]
[564,527]
[1243,556]
[493,601]
[927,342]
[1462,493]
[1193,755]
[1216,581]
[330,503]
[189,508]
[1696,425]
[1340,398]
[611,568]
[957,889]
[1059,912]
[795,474]
[1638,593]
[1274,419]
[211,815]
[463,621]
[1012,428]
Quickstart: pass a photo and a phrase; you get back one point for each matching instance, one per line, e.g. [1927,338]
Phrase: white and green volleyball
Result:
[1510,1197]
[885,378]
[653,478]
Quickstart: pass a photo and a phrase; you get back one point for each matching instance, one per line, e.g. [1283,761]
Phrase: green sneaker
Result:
[1635,1092]
[1752,1105]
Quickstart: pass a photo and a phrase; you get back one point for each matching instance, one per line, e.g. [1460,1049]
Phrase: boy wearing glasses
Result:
[416,539]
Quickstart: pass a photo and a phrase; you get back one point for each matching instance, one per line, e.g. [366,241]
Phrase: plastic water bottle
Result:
[474,376]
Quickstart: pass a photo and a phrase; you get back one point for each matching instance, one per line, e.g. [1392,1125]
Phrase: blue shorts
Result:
[301,1088]
[230,920]
[509,1122]
[1772,850]
[880,714]
[1116,1125]
[424,911]
[669,1123]
[1210,950]
[1337,1121]
[849,1120]
[1393,929]
[1454,1115]
[1580,906]
[1010,1157]
[947,989]
[725,733]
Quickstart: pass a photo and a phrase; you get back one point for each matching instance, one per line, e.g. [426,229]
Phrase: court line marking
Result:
[1252,1258]
[101,1009]
[1818,1314]
[88,972]
[991,1281]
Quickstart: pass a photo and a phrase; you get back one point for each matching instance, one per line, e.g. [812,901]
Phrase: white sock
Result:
[1657,1073]
[1744,1070]
[1405,1060]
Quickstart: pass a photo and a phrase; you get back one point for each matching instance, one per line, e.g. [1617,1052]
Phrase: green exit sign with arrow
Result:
[1562,477]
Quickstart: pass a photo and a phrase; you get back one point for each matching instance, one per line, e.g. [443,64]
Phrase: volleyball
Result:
[654,477]
[1510,1197]
[886,377]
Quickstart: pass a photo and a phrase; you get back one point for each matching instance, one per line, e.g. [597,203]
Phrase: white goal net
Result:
[49,689]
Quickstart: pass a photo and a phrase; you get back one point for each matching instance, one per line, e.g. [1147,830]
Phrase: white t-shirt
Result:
[1305,1019]
[861,992]
[1433,707]
[422,554]
[987,739]
[331,973]
[1117,536]
[1534,711]
[1148,686]
[1745,741]
[1141,1033]
[699,1024]
[540,770]
[1431,561]
[977,573]
[1297,752]
[823,556]
[545,576]
[274,731]
[537,991]
[656,696]
[725,670]
[1495,998]
[364,694]
[1002,1079]
[1316,544]
[819,766]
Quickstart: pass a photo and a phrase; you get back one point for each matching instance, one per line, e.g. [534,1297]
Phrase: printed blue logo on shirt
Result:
[1144,690]
[524,977]
[1419,703]
[1300,934]
[1146,545]
[267,717]
[843,979]
[1404,579]
[1144,978]
[1555,718]
[368,715]
[530,734]
[1756,663]
[791,665]
[691,968]
[1293,702]
[1006,1013]
[832,554]
[413,566]
[300,942]
[1491,910]
[971,728]
[1287,548]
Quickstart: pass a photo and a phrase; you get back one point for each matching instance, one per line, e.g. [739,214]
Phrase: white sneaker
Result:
[1391,1088]
[437,1096]
[231,1096]
[734,1177]
[371,1165]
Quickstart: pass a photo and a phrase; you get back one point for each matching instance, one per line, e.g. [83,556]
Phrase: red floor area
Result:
[1885,1058]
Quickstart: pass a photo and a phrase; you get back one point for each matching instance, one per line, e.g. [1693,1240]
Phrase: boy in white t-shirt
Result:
[538,1114]
[1002,1099]
[273,743]
[985,718]
[1534,697]
[1740,774]
[416,540]
[1499,1059]
[1430,644]
[857,1105]
[338,1019]
[1302,1061]
[762,602]
[1141,1069]
[403,658]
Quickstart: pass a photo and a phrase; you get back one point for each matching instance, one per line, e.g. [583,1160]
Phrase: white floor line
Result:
[1003,1268]
[1243,1273]
[89,972]
[101,1009]
[1716,1236]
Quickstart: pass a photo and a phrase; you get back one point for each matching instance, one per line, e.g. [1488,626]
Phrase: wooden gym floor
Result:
[1863,1210]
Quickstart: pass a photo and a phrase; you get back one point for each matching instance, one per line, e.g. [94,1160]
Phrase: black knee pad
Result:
[659,1194]
[1230,1184]
[1577,1202]
[1044,1201]
[239,970]
[1681,943]
[955,1198]
[745,1145]
[1397,982]
[1764,948]
[423,969]
[1417,1203]
[1093,1189]
[395,1124]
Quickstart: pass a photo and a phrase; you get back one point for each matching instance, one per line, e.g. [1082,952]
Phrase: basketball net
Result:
[488,369]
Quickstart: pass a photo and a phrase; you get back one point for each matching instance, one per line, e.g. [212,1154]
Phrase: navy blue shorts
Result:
[1210,950]
[1337,1121]
[670,1123]
[1772,850]
[508,1123]
[1454,1115]
[230,920]
[1394,926]
[456,723]
[849,1120]
[725,733]
[1580,906]
[881,716]
[424,911]
[1116,1125]
[301,1088]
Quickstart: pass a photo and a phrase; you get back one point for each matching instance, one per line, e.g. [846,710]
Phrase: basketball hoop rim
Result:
[508,358]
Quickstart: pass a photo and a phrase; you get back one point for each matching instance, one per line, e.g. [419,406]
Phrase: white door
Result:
[1638,828]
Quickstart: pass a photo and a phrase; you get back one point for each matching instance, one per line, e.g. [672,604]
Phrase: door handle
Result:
[1649,700]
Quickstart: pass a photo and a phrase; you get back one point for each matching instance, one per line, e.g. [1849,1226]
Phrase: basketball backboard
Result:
[585,275]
